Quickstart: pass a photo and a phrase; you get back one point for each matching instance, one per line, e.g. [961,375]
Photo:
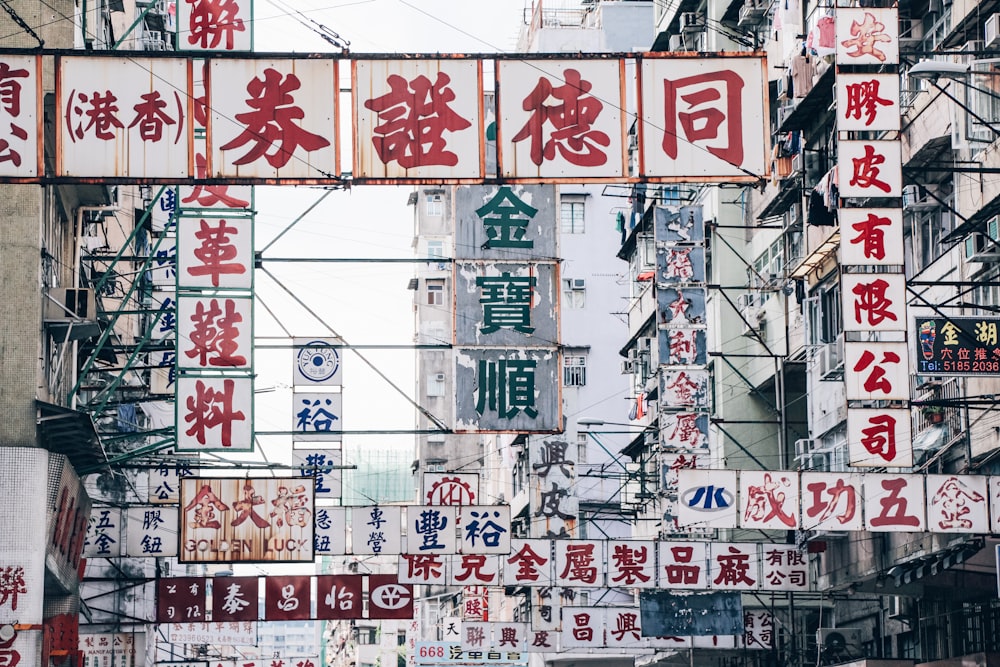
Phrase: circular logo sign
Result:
[390,596]
[318,361]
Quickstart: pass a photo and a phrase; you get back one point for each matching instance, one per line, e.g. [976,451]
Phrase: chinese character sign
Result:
[894,503]
[214,253]
[877,371]
[418,119]
[151,531]
[123,117]
[879,438]
[957,504]
[485,529]
[874,302]
[450,488]
[512,390]
[324,467]
[505,304]
[273,118]
[234,599]
[871,236]
[20,97]
[214,25]
[867,102]
[870,168]
[509,222]
[331,530]
[958,346]
[104,533]
[561,118]
[214,333]
[707,498]
[214,413]
[831,501]
[867,36]
[246,520]
[769,500]
[703,117]
[376,530]
[317,416]
[431,529]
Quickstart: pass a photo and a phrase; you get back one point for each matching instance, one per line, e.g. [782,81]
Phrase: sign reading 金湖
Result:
[958,346]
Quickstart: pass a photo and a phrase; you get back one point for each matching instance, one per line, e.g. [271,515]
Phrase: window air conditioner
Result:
[439,377]
[690,23]
[753,320]
[68,303]
[842,641]
[991,33]
[578,283]
[911,196]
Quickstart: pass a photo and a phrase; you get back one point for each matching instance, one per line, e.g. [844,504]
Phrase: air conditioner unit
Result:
[440,377]
[751,14]
[784,111]
[691,23]
[991,33]
[643,344]
[900,607]
[578,283]
[67,303]
[839,641]
[753,320]
[798,163]
[984,247]
[628,366]
[71,313]
[911,196]
[911,32]
[830,360]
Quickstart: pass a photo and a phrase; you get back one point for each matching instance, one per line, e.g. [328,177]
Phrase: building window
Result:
[434,205]
[581,448]
[367,636]
[435,292]
[435,385]
[571,217]
[574,370]
[825,314]
[435,249]
[574,293]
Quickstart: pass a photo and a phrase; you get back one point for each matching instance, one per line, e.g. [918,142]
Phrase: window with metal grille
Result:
[571,217]
[574,370]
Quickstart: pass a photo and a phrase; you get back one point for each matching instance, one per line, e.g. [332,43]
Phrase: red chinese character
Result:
[528,563]
[841,495]
[243,508]
[767,501]
[508,636]
[862,98]
[423,566]
[150,117]
[701,123]
[580,563]
[581,631]
[12,584]
[209,408]
[472,568]
[734,568]
[625,624]
[870,236]
[7,153]
[571,121]
[102,112]
[214,336]
[876,380]
[682,571]
[10,89]
[272,123]
[866,170]
[865,36]
[414,116]
[211,195]
[686,433]
[956,500]
[205,504]
[629,562]
[211,21]
[894,506]
[880,437]
[215,251]
[871,298]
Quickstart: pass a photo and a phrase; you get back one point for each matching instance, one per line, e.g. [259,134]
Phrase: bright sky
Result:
[367,303]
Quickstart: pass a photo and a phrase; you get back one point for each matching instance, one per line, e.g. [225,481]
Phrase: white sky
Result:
[366,303]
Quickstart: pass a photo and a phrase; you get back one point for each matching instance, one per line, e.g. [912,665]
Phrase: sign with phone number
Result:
[451,653]
[958,346]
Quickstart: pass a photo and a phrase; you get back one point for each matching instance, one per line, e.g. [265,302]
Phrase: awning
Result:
[69,432]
